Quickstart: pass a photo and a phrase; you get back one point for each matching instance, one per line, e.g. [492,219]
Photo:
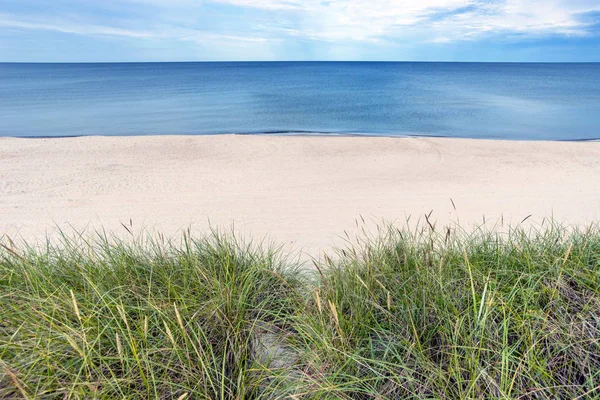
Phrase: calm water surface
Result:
[507,101]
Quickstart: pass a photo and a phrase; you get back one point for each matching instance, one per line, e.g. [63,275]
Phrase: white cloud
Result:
[523,17]
[367,20]
[336,21]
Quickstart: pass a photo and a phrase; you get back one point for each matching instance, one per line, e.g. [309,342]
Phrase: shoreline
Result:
[311,134]
[304,191]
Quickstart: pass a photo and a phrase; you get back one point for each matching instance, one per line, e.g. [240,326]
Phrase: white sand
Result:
[303,191]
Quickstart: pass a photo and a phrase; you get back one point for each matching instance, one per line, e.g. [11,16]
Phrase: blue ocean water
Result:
[475,100]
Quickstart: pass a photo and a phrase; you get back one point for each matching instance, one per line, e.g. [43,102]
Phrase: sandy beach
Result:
[301,191]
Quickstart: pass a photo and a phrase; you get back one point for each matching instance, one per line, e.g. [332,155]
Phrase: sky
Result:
[281,30]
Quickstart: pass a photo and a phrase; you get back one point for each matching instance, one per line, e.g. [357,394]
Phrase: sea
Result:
[468,100]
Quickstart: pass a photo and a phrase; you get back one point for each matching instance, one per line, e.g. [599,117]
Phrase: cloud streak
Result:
[164,33]
[97,30]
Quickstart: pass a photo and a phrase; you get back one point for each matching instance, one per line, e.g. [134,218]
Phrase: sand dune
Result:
[303,191]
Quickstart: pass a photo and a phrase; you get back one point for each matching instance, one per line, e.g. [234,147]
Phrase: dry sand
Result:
[303,191]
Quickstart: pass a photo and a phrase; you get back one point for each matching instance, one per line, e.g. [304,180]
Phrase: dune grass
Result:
[111,319]
[415,314]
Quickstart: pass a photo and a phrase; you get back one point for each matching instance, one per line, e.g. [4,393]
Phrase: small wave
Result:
[329,133]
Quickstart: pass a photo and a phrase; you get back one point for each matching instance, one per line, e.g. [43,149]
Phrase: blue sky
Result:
[206,30]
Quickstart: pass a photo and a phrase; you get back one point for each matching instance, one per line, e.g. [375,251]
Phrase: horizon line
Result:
[300,61]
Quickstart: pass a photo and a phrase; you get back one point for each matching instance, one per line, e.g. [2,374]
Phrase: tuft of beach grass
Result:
[406,314]
[113,319]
